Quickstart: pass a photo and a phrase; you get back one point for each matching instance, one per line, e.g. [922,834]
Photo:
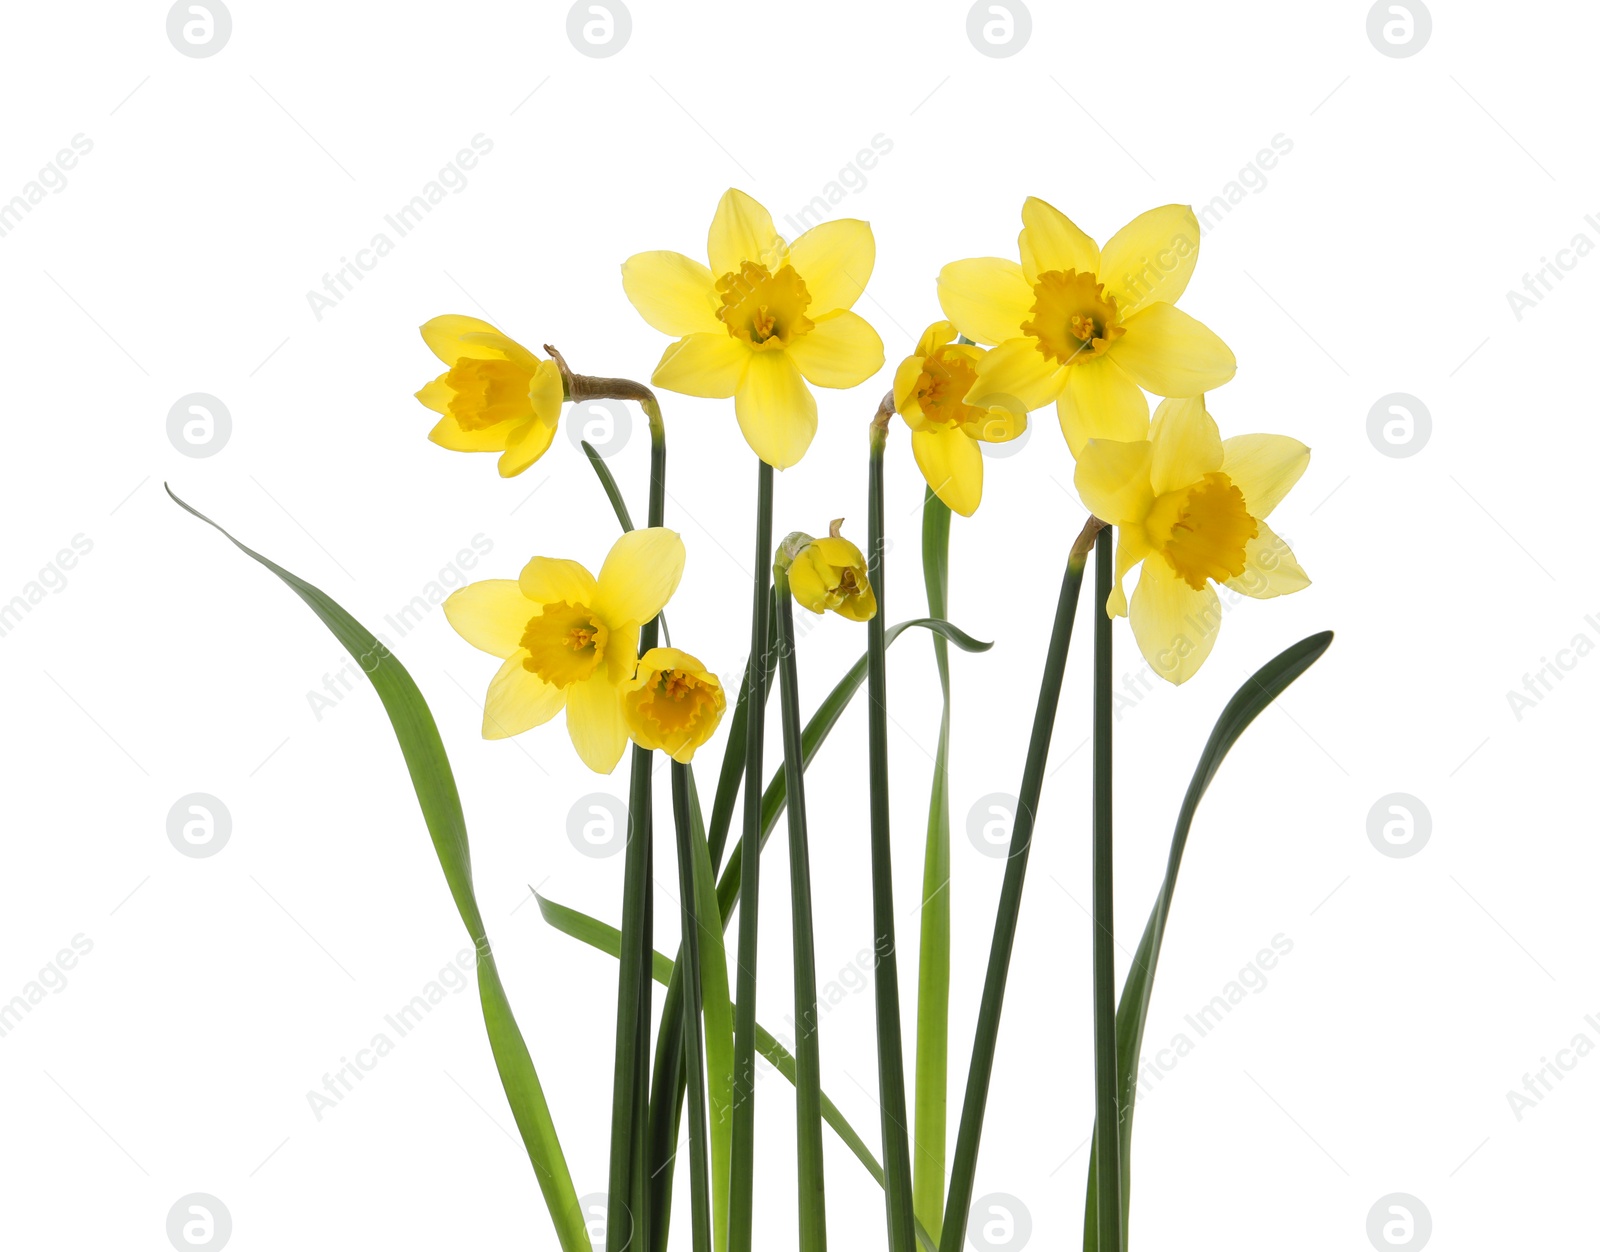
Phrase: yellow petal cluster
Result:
[569,640]
[830,575]
[1085,326]
[496,396]
[930,393]
[1190,509]
[763,321]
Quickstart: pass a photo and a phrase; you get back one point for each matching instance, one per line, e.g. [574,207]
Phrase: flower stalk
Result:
[693,1036]
[964,1163]
[886,978]
[741,1198]
[1108,1120]
[807,1047]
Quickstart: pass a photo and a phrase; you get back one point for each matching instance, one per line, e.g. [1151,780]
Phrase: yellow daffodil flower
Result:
[1192,507]
[930,387]
[569,640]
[673,703]
[495,397]
[1088,327]
[830,573]
[765,319]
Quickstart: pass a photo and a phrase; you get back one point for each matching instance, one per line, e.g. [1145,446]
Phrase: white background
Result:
[1374,258]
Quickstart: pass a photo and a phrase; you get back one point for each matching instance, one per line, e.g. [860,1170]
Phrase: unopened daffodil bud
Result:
[495,397]
[673,703]
[829,573]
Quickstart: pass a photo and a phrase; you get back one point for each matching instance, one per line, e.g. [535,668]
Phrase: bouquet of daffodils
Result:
[1094,329]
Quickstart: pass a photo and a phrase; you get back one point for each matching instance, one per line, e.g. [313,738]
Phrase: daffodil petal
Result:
[1131,549]
[447,433]
[1015,374]
[936,336]
[741,231]
[1167,352]
[490,615]
[986,297]
[906,375]
[519,700]
[834,260]
[527,444]
[622,652]
[1174,625]
[1263,468]
[840,350]
[1151,258]
[436,394]
[596,723]
[710,365]
[454,336]
[639,575]
[675,294]
[1101,402]
[1187,445]
[1113,480]
[1270,568]
[776,410]
[953,466]
[549,580]
[1051,241]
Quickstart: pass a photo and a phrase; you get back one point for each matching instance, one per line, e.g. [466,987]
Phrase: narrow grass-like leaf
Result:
[931,1087]
[435,786]
[604,937]
[1260,690]
[693,1039]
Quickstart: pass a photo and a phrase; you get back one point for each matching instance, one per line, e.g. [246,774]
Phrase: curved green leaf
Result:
[817,729]
[604,937]
[1260,690]
[441,809]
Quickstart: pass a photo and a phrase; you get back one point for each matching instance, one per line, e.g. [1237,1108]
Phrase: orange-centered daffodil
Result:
[1192,507]
[673,703]
[569,640]
[495,397]
[930,389]
[831,574]
[765,319]
[1086,326]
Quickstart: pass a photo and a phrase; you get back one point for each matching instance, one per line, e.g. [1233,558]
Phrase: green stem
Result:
[628,1192]
[1107,1147]
[741,1197]
[807,1048]
[693,1040]
[933,954]
[886,978]
[965,1161]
